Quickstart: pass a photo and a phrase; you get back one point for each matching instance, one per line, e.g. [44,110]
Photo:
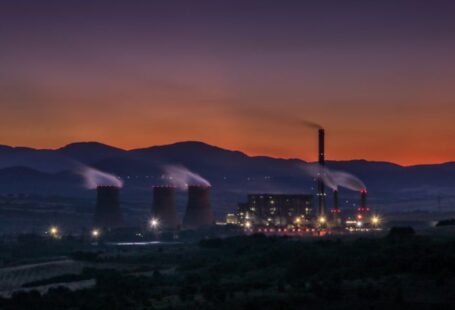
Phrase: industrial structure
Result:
[108,214]
[281,213]
[163,208]
[321,186]
[199,212]
[275,210]
[335,211]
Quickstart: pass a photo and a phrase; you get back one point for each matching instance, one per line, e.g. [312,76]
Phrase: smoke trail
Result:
[318,171]
[181,177]
[94,178]
[310,124]
[333,178]
[348,181]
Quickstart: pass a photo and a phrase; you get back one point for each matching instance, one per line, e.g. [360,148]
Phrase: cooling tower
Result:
[163,208]
[321,186]
[198,212]
[107,213]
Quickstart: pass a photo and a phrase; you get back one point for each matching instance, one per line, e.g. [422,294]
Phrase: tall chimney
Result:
[335,210]
[363,200]
[321,186]
[108,214]
[163,208]
[198,212]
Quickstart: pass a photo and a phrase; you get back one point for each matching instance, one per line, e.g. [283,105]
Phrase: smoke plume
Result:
[333,178]
[94,178]
[181,177]
[310,124]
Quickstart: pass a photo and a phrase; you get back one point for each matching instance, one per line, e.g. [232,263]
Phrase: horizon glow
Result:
[378,76]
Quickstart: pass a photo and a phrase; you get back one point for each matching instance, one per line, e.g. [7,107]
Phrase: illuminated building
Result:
[276,210]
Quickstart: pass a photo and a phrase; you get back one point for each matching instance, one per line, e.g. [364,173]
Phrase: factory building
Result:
[275,210]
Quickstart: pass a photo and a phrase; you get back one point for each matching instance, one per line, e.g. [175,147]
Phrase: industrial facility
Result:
[264,212]
[275,210]
[285,213]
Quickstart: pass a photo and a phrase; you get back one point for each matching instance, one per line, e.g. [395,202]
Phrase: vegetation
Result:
[257,272]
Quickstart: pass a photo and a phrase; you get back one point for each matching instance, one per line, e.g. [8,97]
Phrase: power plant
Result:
[264,212]
[108,214]
[163,209]
[199,212]
[282,213]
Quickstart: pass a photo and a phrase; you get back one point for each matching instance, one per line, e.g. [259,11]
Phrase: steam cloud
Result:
[94,178]
[181,177]
[333,178]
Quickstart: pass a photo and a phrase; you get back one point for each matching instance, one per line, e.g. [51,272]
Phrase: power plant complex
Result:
[262,212]
[284,213]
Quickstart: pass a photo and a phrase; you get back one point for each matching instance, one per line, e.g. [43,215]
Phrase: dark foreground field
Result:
[257,272]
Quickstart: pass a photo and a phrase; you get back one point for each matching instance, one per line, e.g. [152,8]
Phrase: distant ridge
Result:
[229,171]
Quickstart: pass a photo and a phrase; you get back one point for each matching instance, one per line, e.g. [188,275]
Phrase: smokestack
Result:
[163,208]
[321,186]
[336,210]
[321,147]
[108,214]
[198,212]
[363,200]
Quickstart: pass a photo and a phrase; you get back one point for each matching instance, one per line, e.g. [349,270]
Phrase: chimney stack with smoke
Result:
[336,210]
[199,212]
[321,186]
[363,208]
[108,214]
[363,201]
[163,208]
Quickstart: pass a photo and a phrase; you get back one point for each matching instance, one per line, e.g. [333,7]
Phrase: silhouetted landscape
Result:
[229,154]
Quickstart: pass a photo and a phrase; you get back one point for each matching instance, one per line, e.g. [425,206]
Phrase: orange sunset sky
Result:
[379,77]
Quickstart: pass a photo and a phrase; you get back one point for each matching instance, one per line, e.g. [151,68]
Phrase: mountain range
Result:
[232,173]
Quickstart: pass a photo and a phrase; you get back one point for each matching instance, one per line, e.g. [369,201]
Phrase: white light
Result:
[95,233]
[154,222]
[359,224]
[322,220]
[247,225]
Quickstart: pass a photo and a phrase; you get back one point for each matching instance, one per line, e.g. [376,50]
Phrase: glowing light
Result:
[298,220]
[154,223]
[359,224]
[53,231]
[95,233]
[322,220]
[375,220]
[248,225]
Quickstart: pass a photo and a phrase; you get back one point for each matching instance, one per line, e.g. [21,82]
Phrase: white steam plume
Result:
[181,177]
[94,178]
[333,178]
